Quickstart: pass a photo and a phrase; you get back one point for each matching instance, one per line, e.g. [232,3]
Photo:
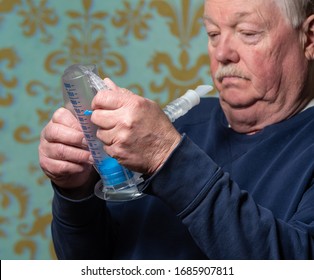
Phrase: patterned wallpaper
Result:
[156,48]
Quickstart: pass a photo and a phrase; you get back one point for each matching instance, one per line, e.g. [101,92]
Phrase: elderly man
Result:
[233,179]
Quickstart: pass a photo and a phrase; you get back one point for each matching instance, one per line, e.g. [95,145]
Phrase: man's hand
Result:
[63,153]
[134,129]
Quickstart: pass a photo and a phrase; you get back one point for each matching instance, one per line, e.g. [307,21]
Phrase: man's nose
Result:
[226,51]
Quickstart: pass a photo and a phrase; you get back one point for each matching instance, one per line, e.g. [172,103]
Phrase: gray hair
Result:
[296,10]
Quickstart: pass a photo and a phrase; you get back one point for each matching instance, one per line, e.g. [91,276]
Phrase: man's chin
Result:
[237,102]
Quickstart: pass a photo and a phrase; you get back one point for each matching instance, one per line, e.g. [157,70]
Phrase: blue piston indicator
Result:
[114,174]
[117,183]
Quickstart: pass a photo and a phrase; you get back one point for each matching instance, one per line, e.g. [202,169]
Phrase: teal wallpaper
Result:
[156,48]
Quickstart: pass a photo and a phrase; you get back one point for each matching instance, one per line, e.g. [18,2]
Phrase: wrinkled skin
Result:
[259,62]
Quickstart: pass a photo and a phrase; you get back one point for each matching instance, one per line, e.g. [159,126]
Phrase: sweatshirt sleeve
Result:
[81,229]
[225,221]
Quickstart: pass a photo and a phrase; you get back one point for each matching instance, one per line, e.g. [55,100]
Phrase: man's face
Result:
[256,59]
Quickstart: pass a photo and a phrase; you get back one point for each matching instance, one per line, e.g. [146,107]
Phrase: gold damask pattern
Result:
[36,17]
[154,47]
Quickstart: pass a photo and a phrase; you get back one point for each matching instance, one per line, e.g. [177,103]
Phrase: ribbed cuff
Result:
[185,178]
[75,212]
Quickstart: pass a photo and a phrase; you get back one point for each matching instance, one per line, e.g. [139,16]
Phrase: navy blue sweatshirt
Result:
[220,195]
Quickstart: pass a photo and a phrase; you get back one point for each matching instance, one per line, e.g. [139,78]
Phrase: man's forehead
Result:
[238,10]
[243,6]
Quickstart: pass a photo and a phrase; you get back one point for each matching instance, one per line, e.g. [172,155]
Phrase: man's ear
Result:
[308,29]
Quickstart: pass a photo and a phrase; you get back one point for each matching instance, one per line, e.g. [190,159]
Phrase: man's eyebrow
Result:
[207,19]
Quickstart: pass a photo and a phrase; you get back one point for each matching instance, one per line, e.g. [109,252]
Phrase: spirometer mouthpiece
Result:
[203,90]
[186,102]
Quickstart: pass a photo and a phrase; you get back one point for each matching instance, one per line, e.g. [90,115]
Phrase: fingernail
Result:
[91,159]
[84,142]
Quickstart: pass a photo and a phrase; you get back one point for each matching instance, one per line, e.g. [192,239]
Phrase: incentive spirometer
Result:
[80,85]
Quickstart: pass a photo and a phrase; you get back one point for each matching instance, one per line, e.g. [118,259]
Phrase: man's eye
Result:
[213,36]
[250,36]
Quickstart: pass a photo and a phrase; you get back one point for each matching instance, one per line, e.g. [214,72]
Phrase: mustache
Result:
[229,71]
